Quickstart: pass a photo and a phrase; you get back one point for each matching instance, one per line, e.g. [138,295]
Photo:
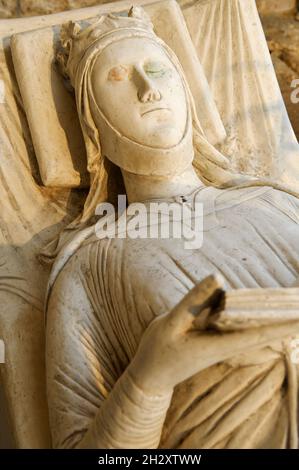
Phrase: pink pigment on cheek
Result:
[118,74]
[115,76]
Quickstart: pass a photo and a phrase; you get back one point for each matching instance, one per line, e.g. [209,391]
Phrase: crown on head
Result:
[78,42]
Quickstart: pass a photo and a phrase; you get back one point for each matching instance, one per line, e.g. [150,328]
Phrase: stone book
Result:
[251,308]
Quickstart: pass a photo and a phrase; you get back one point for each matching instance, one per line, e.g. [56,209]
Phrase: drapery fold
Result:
[231,46]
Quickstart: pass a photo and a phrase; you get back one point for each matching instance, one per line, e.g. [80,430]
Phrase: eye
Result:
[119,73]
[155,69]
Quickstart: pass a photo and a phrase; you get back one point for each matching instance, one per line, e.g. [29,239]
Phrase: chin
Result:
[165,137]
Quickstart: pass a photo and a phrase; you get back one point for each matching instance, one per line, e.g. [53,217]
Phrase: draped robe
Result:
[107,293]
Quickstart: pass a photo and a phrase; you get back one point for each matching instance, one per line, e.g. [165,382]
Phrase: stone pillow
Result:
[51,110]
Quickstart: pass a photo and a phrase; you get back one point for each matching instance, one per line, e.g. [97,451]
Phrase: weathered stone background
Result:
[281,24]
[280,19]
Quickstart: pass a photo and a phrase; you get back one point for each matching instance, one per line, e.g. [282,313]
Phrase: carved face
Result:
[140,92]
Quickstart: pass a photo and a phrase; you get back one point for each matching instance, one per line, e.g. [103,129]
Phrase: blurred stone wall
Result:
[281,26]
[16,8]
[279,17]
[278,6]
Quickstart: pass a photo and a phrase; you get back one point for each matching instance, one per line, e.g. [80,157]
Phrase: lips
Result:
[153,110]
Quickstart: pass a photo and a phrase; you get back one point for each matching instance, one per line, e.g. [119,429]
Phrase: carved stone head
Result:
[131,93]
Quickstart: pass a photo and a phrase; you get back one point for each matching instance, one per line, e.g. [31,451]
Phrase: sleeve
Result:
[92,404]
[77,381]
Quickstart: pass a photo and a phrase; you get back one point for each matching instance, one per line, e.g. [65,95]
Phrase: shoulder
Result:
[285,202]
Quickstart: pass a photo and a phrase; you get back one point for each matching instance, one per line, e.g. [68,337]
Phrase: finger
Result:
[207,293]
[214,348]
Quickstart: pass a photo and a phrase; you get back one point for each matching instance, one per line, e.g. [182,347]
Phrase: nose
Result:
[147,91]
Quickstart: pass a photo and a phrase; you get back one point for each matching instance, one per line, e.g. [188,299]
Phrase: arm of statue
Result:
[92,403]
[173,348]
[129,418]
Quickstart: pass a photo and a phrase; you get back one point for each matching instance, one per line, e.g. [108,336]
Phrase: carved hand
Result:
[175,346]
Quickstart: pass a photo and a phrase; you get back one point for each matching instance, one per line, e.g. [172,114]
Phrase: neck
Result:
[141,188]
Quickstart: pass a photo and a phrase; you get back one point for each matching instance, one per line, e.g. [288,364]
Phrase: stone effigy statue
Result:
[131,361]
[241,136]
